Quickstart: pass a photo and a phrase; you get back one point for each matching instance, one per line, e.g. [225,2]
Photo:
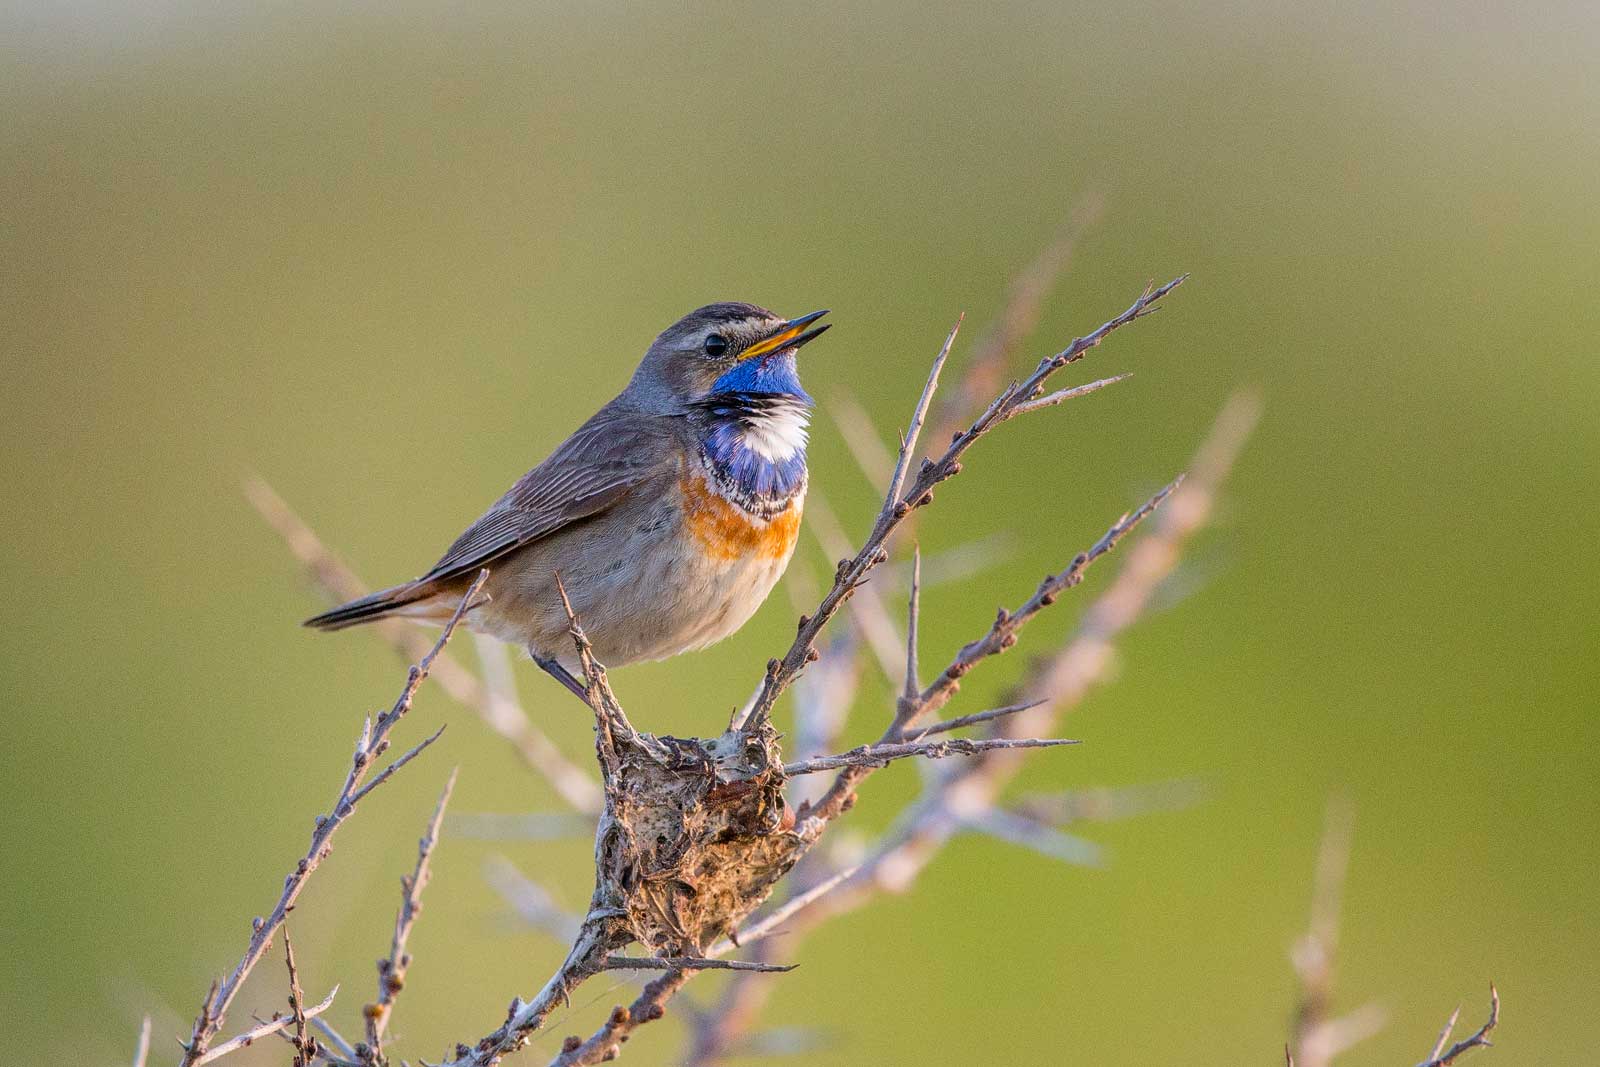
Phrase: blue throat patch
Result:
[748,394]
[774,374]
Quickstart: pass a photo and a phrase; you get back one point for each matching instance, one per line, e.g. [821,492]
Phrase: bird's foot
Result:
[554,669]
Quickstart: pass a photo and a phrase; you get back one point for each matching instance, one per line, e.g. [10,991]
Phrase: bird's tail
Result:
[373,606]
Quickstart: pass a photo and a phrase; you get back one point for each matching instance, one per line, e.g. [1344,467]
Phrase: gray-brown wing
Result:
[609,456]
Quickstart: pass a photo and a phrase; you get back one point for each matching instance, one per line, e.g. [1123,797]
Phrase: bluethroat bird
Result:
[669,515]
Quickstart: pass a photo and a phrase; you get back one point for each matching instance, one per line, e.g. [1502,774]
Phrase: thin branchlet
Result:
[393,967]
[742,766]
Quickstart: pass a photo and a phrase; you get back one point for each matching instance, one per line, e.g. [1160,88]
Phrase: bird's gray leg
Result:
[554,669]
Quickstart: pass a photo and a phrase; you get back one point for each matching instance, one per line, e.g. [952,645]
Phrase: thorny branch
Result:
[265,1028]
[900,502]
[961,796]
[615,734]
[689,963]
[650,1005]
[373,743]
[1443,1057]
[304,1047]
[392,968]
[957,795]
[881,755]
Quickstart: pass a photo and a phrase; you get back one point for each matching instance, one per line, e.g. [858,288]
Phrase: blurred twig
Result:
[519,826]
[495,703]
[868,613]
[141,1051]
[532,902]
[1316,1039]
[993,355]
[1317,1036]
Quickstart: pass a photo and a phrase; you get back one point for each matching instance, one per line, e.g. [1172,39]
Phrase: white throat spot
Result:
[777,435]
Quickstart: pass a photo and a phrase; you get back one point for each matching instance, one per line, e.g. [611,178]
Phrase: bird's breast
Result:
[724,531]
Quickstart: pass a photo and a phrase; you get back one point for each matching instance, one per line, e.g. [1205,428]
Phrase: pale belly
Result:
[677,576]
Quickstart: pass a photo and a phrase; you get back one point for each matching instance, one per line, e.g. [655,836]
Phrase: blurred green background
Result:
[388,256]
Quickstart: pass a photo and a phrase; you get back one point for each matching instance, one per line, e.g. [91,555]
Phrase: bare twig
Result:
[373,743]
[1061,396]
[496,705]
[908,443]
[912,683]
[883,755]
[1002,635]
[388,772]
[868,612]
[770,924]
[304,1047]
[611,721]
[1317,1038]
[392,968]
[963,721]
[1480,1039]
[265,1028]
[1444,1035]
[650,1005]
[690,963]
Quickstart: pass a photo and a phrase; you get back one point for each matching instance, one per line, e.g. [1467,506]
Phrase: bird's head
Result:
[729,348]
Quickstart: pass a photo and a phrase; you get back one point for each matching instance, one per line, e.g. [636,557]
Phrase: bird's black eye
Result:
[716,345]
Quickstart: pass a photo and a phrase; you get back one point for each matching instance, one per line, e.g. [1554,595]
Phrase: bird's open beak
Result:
[791,334]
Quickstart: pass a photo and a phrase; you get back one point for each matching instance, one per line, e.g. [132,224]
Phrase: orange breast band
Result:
[725,531]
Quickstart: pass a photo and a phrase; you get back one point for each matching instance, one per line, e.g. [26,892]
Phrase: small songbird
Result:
[669,515]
